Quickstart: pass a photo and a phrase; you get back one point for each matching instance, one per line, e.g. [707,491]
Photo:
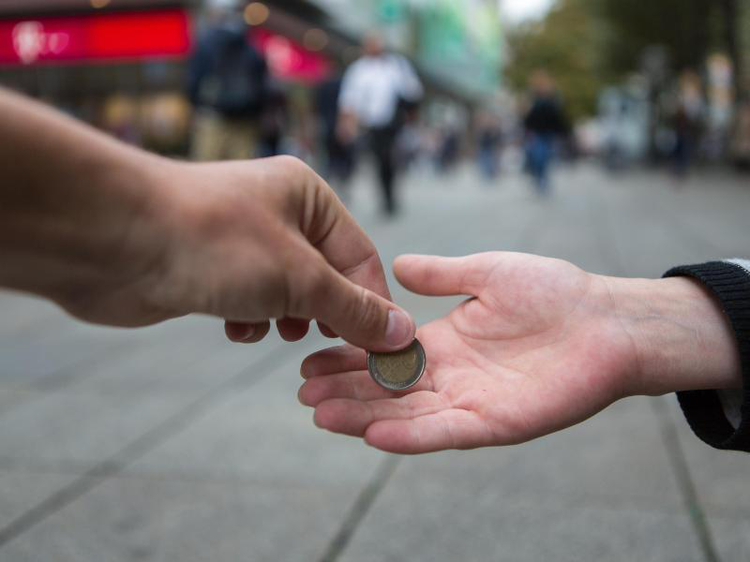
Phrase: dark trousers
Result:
[539,153]
[382,143]
[340,163]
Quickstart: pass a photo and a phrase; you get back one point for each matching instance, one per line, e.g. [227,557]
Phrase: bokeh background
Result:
[169,443]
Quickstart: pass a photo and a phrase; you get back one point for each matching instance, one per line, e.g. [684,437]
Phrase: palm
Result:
[534,352]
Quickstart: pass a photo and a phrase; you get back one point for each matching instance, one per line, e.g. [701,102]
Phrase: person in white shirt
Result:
[373,93]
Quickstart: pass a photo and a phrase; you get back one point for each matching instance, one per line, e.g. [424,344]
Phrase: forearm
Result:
[681,338]
[71,199]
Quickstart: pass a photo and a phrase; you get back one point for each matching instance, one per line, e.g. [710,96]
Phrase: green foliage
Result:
[586,44]
[686,29]
[565,44]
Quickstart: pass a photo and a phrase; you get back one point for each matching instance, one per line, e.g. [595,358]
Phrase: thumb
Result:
[358,315]
[439,276]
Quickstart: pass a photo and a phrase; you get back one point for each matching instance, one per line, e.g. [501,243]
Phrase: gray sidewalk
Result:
[171,444]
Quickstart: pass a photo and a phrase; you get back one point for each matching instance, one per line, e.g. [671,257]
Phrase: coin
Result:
[398,370]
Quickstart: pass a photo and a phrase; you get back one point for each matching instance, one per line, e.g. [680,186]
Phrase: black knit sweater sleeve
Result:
[707,415]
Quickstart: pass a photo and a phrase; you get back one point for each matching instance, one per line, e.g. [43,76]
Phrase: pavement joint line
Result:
[360,508]
[152,438]
[675,453]
[68,374]
[685,482]
[60,380]
[137,448]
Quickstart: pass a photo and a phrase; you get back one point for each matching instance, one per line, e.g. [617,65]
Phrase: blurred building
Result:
[118,69]
[120,64]
[456,44]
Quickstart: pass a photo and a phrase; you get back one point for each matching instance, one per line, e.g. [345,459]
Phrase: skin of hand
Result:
[121,237]
[539,346]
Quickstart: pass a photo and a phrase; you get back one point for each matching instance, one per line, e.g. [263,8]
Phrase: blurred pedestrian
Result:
[687,123]
[376,93]
[740,144]
[227,86]
[273,121]
[544,123]
[339,153]
[489,139]
[450,150]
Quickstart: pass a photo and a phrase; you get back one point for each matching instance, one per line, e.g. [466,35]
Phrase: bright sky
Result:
[519,10]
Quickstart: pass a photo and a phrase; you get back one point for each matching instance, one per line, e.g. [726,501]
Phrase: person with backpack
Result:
[227,85]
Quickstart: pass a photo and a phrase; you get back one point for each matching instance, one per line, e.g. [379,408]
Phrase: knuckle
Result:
[291,163]
[365,311]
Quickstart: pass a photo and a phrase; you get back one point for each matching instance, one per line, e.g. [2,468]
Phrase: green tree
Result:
[686,29]
[585,44]
[566,43]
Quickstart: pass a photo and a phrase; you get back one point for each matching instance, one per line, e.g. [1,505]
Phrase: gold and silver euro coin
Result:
[398,370]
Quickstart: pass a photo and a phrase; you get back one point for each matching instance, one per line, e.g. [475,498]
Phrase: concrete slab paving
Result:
[264,435]
[10,399]
[63,430]
[721,478]
[20,491]
[129,519]
[447,522]
[732,537]
[247,476]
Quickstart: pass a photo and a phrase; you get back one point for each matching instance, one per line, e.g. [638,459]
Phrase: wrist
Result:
[86,227]
[146,231]
[119,244]
[681,339]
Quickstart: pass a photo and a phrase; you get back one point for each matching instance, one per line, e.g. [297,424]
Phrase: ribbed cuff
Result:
[730,283]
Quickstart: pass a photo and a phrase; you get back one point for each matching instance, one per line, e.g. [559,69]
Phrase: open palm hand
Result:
[536,348]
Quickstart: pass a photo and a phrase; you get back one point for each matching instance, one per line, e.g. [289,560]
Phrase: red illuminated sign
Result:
[161,33]
[288,59]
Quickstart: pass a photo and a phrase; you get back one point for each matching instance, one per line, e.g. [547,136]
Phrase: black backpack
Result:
[236,85]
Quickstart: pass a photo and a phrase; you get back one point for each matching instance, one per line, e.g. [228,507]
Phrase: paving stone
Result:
[10,399]
[30,363]
[262,434]
[128,519]
[63,430]
[732,537]
[427,521]
[20,491]
[251,478]
[186,358]
[720,477]
[27,316]
[616,459]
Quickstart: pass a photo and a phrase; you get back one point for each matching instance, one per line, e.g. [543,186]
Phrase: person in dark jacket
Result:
[544,123]
[227,84]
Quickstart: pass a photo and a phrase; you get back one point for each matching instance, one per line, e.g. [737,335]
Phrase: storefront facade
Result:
[122,67]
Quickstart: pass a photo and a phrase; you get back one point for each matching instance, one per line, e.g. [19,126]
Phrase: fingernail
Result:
[399,329]
[248,332]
